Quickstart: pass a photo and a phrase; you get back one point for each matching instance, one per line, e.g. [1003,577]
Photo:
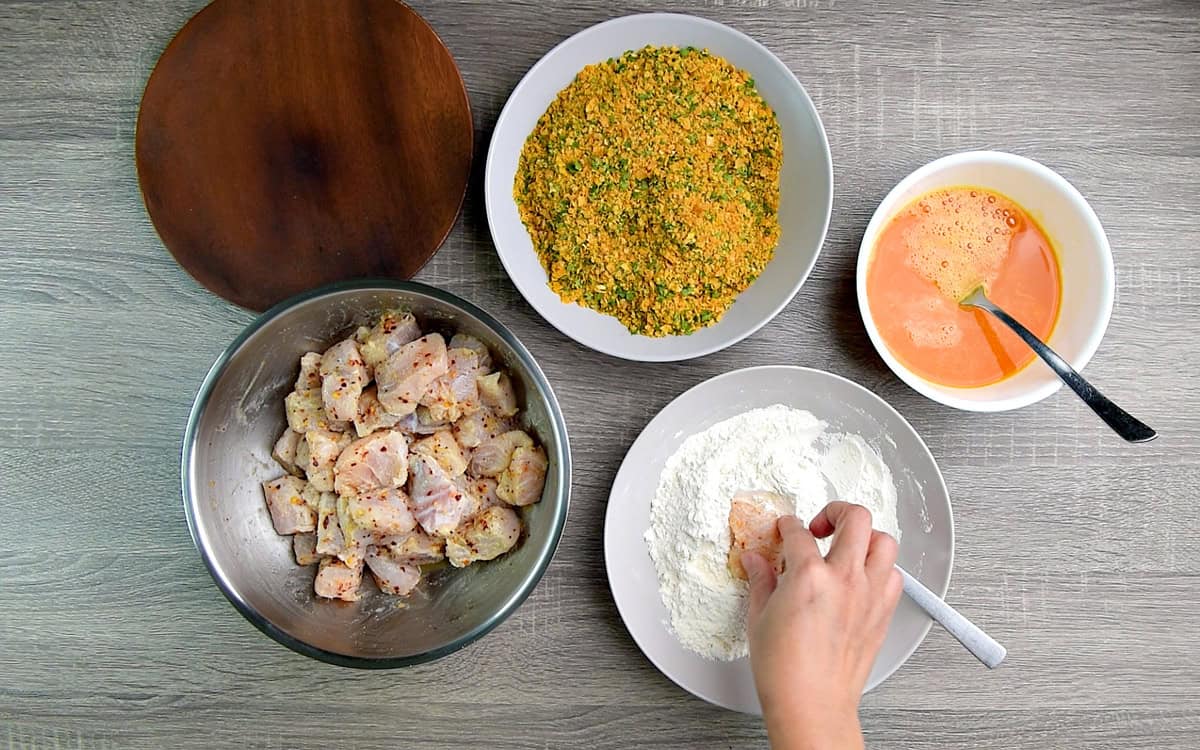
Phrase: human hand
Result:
[815,629]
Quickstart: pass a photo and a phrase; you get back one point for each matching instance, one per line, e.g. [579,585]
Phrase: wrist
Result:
[821,727]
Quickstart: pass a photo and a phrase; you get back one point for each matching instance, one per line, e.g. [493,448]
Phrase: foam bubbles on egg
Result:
[944,246]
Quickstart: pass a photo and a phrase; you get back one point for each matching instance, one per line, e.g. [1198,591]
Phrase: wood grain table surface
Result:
[1077,551]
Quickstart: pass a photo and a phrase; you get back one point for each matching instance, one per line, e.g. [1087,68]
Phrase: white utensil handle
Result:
[979,643]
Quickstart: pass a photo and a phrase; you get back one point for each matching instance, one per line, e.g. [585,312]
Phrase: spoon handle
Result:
[1121,421]
[983,646]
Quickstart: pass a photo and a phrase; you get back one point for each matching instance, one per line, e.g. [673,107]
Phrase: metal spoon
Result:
[1121,421]
[985,648]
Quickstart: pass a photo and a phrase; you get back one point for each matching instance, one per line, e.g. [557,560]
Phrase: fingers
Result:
[853,526]
[798,544]
[762,583]
[881,553]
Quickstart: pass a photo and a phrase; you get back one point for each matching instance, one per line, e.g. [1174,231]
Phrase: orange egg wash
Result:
[933,253]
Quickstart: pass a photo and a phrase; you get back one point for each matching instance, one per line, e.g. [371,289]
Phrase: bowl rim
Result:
[886,407]
[190,498]
[946,394]
[804,101]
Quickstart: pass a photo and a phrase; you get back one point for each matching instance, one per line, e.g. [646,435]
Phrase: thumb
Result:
[762,582]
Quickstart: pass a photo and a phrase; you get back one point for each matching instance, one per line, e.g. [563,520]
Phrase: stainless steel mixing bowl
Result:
[235,420]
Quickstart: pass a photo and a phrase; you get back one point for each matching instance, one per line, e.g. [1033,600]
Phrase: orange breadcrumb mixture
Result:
[650,188]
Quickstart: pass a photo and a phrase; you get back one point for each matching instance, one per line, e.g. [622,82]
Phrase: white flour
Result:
[778,449]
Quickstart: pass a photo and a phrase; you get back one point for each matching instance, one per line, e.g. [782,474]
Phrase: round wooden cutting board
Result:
[283,144]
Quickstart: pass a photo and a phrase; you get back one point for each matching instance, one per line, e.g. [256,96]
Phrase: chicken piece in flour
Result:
[415,548]
[496,392]
[477,428]
[324,447]
[753,517]
[382,513]
[371,414]
[466,341]
[310,372]
[284,451]
[492,456]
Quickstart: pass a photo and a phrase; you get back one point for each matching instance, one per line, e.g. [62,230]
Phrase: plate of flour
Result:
[809,437]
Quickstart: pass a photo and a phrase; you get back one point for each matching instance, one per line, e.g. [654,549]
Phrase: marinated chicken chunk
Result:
[443,448]
[753,517]
[324,447]
[391,575]
[371,414]
[437,502]
[492,456]
[475,429]
[464,341]
[284,451]
[329,528]
[403,378]
[496,392]
[415,548]
[522,482]
[456,393]
[344,374]
[305,410]
[382,513]
[304,547]
[289,513]
[485,536]
[375,462]
[393,330]
[337,580]
[310,372]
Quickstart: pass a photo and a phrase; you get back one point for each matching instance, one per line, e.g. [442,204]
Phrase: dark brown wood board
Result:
[283,144]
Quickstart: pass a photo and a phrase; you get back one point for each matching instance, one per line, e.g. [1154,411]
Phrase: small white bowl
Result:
[805,190]
[1079,242]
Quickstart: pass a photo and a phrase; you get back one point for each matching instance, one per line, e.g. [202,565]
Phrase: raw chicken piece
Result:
[383,513]
[371,414]
[752,528]
[304,546]
[484,537]
[496,392]
[305,410]
[289,513]
[455,393]
[344,374]
[377,461]
[437,502]
[284,451]
[415,548]
[405,376]
[394,330]
[479,427]
[310,372]
[464,341]
[482,489]
[329,529]
[443,448]
[492,456]
[324,447]
[522,482]
[312,497]
[392,576]
[337,580]
[354,538]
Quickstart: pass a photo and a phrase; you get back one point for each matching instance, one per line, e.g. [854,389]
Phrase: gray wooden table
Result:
[1075,550]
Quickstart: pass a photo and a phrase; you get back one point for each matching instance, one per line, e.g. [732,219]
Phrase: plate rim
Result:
[643,434]
[506,114]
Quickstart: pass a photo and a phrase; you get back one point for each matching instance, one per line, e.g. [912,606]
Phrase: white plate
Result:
[806,183]
[926,526]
